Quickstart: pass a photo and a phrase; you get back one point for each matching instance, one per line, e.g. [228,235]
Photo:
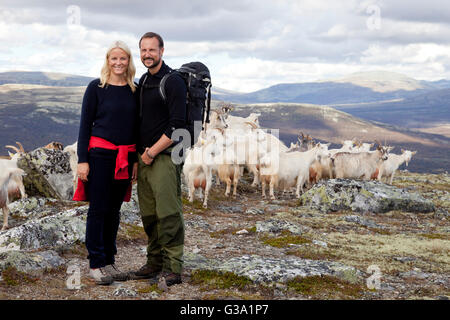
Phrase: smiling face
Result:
[151,53]
[118,62]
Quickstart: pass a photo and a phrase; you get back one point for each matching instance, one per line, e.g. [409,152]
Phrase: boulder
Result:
[61,229]
[363,196]
[30,261]
[265,270]
[48,173]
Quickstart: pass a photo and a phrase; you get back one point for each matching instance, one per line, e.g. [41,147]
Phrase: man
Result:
[159,181]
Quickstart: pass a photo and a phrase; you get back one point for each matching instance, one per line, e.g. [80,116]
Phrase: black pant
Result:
[105,196]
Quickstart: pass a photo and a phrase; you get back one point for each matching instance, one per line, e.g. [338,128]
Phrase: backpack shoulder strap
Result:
[162,84]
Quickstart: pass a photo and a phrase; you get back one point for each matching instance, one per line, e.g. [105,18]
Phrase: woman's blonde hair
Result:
[131,70]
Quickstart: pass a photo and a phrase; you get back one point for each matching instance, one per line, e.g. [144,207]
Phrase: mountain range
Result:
[36,114]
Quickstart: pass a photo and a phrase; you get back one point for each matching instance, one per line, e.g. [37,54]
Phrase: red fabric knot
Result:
[120,172]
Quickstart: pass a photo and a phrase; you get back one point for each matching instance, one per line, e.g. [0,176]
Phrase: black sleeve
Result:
[137,123]
[176,102]
[88,111]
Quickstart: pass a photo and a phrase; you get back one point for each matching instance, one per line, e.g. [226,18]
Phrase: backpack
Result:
[198,102]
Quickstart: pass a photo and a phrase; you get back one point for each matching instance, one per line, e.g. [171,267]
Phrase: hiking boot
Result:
[145,272]
[115,273]
[100,276]
[168,279]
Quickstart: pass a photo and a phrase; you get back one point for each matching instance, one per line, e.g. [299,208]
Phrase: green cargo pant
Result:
[159,193]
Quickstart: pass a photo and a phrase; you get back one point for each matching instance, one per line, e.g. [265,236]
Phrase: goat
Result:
[10,183]
[289,168]
[200,161]
[349,165]
[387,168]
[73,161]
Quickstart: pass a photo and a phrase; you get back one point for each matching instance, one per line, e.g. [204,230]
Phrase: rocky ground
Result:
[341,240]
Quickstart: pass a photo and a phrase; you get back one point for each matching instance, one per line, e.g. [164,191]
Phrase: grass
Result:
[325,287]
[219,280]
[286,239]
[12,277]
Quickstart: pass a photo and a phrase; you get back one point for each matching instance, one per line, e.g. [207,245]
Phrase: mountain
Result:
[359,87]
[421,111]
[44,78]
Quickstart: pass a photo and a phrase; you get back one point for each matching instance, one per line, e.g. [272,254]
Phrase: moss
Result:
[366,193]
[132,232]
[435,236]
[148,289]
[12,277]
[219,280]
[285,240]
[313,254]
[196,206]
[325,286]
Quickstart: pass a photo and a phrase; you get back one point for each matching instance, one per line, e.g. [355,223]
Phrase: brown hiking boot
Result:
[145,272]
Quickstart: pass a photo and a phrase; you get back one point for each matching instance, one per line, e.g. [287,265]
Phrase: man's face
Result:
[151,54]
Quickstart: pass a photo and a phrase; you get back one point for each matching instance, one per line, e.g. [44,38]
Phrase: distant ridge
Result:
[44,78]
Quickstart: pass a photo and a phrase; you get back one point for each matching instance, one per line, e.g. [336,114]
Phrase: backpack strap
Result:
[162,85]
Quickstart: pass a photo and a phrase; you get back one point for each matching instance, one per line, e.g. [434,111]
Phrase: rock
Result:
[320,243]
[124,292]
[273,270]
[362,221]
[30,261]
[61,229]
[363,196]
[48,173]
[154,295]
[405,259]
[230,209]
[130,212]
[254,211]
[276,226]
[243,231]
[197,222]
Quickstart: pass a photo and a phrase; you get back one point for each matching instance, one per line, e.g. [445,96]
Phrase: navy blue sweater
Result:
[110,113]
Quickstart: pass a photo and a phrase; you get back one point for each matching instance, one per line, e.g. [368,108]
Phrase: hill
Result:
[421,111]
[355,88]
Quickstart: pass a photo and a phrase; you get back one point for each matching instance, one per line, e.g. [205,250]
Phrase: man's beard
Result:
[154,64]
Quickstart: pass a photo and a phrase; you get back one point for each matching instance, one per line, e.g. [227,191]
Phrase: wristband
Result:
[150,155]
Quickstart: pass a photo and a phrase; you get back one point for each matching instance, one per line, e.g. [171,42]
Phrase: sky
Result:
[247,44]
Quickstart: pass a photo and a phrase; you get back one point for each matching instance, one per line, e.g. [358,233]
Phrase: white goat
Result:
[236,122]
[387,168]
[73,161]
[349,165]
[10,185]
[200,161]
[289,168]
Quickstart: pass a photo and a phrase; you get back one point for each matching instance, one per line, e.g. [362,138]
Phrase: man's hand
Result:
[83,171]
[145,157]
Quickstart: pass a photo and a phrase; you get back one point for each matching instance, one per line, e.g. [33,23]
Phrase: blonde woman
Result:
[107,161]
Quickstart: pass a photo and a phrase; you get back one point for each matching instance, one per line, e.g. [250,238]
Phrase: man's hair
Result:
[153,35]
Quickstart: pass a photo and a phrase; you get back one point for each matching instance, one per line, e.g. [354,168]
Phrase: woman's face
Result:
[118,62]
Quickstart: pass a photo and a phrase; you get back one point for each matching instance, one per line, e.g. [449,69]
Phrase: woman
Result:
[107,156]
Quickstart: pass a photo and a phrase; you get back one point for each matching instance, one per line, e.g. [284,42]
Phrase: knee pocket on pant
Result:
[171,230]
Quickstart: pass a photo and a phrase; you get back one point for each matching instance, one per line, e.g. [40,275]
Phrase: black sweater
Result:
[159,117]
[110,113]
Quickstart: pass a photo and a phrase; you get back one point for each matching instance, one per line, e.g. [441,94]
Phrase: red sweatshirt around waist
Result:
[120,172]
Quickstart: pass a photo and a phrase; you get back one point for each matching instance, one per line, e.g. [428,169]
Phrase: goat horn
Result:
[14,148]
[254,126]
[20,146]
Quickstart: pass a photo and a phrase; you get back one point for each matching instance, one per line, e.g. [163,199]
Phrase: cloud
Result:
[247,43]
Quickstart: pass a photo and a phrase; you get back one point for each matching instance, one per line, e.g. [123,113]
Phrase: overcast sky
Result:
[248,44]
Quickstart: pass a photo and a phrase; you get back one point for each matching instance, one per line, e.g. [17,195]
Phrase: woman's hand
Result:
[134,174]
[83,171]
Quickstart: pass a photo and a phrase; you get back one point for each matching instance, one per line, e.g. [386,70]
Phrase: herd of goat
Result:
[229,144]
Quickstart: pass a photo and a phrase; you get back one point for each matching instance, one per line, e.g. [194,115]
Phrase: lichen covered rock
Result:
[48,173]
[363,196]
[30,261]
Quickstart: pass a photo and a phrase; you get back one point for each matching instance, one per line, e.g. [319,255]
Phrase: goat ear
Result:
[402,150]
[414,152]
